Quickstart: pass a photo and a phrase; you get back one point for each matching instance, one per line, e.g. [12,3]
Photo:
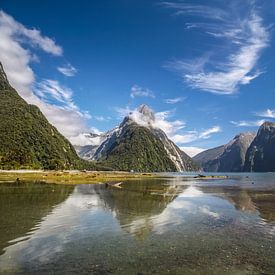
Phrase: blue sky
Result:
[206,69]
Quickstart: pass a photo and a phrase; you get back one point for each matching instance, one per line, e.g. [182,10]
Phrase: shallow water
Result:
[173,226]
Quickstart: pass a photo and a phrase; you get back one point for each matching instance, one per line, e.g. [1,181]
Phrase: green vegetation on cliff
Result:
[28,140]
[139,150]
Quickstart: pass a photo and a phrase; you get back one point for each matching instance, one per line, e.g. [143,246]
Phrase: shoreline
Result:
[86,177]
[72,176]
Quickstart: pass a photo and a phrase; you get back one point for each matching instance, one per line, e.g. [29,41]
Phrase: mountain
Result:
[260,156]
[136,144]
[226,158]
[27,139]
[207,158]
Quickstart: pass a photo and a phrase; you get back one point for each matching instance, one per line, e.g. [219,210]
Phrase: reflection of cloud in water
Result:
[187,203]
[68,221]
[191,192]
[206,210]
[91,210]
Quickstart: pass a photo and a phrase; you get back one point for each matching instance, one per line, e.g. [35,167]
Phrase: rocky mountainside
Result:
[137,145]
[226,158]
[27,139]
[260,156]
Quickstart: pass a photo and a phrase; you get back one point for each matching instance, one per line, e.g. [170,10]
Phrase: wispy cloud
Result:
[160,120]
[197,10]
[174,100]
[18,48]
[67,70]
[191,136]
[244,36]
[207,133]
[33,36]
[191,150]
[51,89]
[102,118]
[248,123]
[268,113]
[173,128]
[137,91]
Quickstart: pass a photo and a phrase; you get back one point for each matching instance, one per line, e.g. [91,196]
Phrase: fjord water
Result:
[171,226]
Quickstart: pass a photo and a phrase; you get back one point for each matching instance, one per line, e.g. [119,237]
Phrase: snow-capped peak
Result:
[142,115]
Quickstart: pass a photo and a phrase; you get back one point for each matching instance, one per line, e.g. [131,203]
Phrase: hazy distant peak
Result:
[143,116]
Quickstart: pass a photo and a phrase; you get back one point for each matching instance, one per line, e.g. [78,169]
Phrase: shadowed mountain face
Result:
[138,145]
[27,139]
[226,158]
[260,156]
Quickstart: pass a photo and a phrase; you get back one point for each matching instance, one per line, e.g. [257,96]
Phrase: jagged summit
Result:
[147,112]
[137,144]
[142,115]
[260,156]
[267,125]
[227,158]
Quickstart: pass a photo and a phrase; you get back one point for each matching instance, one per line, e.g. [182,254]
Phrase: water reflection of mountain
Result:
[23,206]
[248,200]
[135,205]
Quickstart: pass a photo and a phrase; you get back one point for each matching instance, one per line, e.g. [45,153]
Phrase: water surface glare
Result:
[171,226]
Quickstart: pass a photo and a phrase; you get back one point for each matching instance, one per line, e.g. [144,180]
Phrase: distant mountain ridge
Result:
[260,156]
[28,140]
[136,144]
[226,158]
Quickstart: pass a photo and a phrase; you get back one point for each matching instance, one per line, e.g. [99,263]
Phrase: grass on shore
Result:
[86,177]
[75,177]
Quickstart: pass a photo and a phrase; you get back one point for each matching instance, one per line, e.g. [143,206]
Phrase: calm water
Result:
[173,226]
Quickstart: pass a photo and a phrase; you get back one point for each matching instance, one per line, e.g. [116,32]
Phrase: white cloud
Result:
[16,42]
[67,70]
[173,129]
[197,10]
[246,123]
[34,36]
[192,136]
[158,120]
[186,137]
[174,100]
[192,151]
[244,37]
[207,133]
[267,113]
[52,88]
[83,139]
[141,92]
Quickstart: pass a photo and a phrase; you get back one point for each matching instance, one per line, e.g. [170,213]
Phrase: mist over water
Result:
[175,226]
